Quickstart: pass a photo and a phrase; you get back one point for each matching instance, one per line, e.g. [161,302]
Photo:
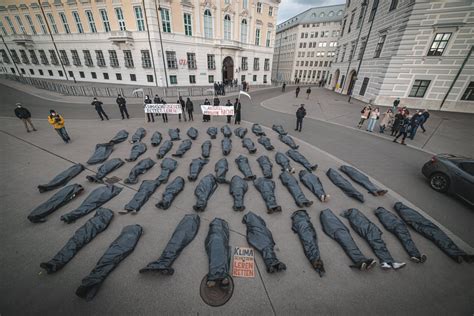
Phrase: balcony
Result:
[236,45]
[118,37]
[22,39]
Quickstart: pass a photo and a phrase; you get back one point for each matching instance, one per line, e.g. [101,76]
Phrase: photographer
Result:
[58,123]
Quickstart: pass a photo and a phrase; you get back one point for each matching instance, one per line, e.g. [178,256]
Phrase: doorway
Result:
[227,70]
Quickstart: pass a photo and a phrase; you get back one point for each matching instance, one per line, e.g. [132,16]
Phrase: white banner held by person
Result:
[217,110]
[163,108]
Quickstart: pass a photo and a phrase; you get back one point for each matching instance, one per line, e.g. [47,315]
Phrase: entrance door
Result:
[352,79]
[227,69]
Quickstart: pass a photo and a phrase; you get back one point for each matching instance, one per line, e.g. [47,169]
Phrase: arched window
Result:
[321,15]
[339,12]
[227,28]
[243,31]
[207,24]
[331,13]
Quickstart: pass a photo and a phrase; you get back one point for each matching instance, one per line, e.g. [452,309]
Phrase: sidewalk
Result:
[446,132]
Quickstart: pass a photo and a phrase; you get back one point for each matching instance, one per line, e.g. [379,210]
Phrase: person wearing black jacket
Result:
[157,100]
[122,104]
[100,110]
[190,109]
[403,131]
[165,115]
[237,111]
[206,118]
[229,117]
[297,91]
[24,115]
[396,124]
[149,116]
[425,115]
[300,114]
[216,101]
[183,108]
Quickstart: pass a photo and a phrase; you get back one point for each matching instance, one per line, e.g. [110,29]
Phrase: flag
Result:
[137,90]
[246,94]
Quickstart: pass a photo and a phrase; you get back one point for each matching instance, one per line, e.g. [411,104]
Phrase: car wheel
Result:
[439,182]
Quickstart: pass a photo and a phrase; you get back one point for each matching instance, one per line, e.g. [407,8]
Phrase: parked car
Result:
[451,174]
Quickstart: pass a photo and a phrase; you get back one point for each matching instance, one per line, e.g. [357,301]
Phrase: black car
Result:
[453,174]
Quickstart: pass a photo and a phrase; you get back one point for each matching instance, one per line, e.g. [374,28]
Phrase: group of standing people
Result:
[297,91]
[237,110]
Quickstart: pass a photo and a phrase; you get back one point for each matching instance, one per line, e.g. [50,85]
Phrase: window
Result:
[207,24]
[5,58]
[53,57]
[210,79]
[244,64]
[211,62]
[361,16]
[40,72]
[439,44]
[191,60]
[4,30]
[127,55]
[146,59]
[93,75]
[192,79]
[113,60]
[34,59]
[188,29]
[379,47]
[171,60]
[245,4]
[63,57]
[257,37]
[363,88]
[227,28]
[10,24]
[351,53]
[254,78]
[30,22]
[76,61]
[60,73]
[270,11]
[266,64]
[165,20]
[264,78]
[242,78]
[50,72]
[23,71]
[41,23]
[90,19]
[133,77]
[43,57]
[343,27]
[268,39]
[81,74]
[469,93]
[173,79]
[373,10]
[65,24]
[99,55]
[77,18]
[70,73]
[120,19]
[243,31]
[139,18]
[118,76]
[20,24]
[88,58]
[52,22]
[149,78]
[362,49]
[393,5]
[256,64]
[24,57]
[350,22]
[105,20]
[259,7]
[419,88]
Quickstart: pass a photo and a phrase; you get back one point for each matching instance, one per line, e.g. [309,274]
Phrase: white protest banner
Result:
[163,108]
[243,264]
[217,110]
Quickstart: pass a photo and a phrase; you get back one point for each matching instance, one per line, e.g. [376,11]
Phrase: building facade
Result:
[305,45]
[416,50]
[118,41]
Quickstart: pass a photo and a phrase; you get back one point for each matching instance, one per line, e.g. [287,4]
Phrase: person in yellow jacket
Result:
[57,121]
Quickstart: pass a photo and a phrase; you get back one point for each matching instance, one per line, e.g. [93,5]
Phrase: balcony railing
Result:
[121,36]
[22,39]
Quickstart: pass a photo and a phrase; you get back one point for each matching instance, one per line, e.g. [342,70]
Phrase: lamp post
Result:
[158,9]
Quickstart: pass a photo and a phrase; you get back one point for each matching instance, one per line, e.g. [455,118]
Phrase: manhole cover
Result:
[112,180]
[217,295]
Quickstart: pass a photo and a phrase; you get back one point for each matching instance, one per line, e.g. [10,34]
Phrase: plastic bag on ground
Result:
[212,132]
[221,167]
[94,226]
[257,130]
[174,134]
[288,140]
[398,227]
[204,191]
[106,168]
[301,225]
[279,129]
[62,178]
[238,188]
[192,133]
[183,235]
[432,232]
[138,136]
[170,193]
[140,168]
[156,139]
[334,228]
[226,131]
[95,199]
[218,250]
[284,162]
[60,198]
[260,237]
[249,145]
[101,153]
[244,167]
[312,182]
[206,149]
[299,158]
[265,141]
[293,187]
[117,251]
[168,165]
[147,188]
[164,149]
[240,132]
[183,148]
[195,168]
[266,165]
[226,146]
[138,149]
[344,185]
[266,187]
[362,179]
[121,136]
